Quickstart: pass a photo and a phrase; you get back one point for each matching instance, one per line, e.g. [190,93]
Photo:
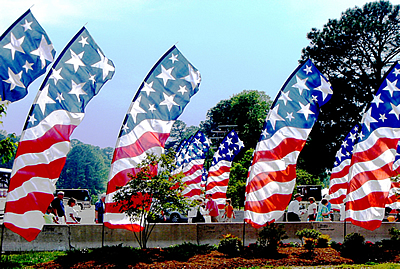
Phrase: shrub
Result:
[354,247]
[336,245]
[323,241]
[183,252]
[309,243]
[270,236]
[307,233]
[394,234]
[230,245]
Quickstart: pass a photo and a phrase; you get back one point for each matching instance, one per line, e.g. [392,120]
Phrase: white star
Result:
[83,41]
[285,97]
[301,84]
[152,107]
[77,89]
[125,127]
[60,97]
[44,99]
[368,119]
[217,156]
[307,69]
[395,110]
[44,51]
[165,75]
[182,90]
[240,143]
[32,119]
[305,109]
[229,140]
[197,141]
[339,155]
[148,88]
[289,116]
[325,88]
[168,101]
[264,133]
[344,144]
[15,45]
[360,135]
[92,78]
[27,66]
[194,77]
[230,153]
[76,60]
[391,87]
[14,79]
[222,146]
[103,64]
[314,98]
[27,25]
[377,100]
[396,72]
[136,109]
[273,116]
[353,137]
[174,58]
[382,117]
[56,75]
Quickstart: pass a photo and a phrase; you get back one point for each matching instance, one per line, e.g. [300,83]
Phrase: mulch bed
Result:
[287,256]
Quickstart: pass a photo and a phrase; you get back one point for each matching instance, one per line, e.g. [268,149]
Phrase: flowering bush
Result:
[309,243]
[230,245]
[323,241]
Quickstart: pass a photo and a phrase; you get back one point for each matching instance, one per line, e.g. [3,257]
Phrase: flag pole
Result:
[344,227]
[244,226]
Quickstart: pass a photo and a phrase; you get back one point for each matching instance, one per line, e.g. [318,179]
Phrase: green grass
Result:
[22,260]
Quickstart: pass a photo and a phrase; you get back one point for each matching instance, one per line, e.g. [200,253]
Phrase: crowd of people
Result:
[321,212]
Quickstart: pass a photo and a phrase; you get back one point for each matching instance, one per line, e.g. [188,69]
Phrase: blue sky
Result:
[236,45]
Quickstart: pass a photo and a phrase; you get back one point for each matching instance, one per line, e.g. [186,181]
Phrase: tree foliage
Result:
[150,192]
[247,110]
[8,143]
[179,132]
[354,52]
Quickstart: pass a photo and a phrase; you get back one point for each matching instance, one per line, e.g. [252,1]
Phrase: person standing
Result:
[99,208]
[70,212]
[212,208]
[58,207]
[294,208]
[312,209]
[229,213]
[323,211]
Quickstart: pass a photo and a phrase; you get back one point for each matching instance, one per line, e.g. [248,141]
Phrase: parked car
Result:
[170,215]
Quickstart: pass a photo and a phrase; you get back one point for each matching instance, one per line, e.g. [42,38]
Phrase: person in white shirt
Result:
[70,212]
[294,208]
[312,209]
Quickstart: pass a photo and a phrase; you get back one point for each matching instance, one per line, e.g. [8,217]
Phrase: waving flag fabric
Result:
[76,77]
[180,156]
[340,172]
[218,173]
[160,100]
[374,154]
[272,176]
[394,196]
[193,165]
[25,52]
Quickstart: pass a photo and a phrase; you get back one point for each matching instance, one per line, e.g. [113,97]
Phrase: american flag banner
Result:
[218,173]
[374,154]
[394,196]
[193,165]
[25,53]
[180,156]
[340,172]
[160,100]
[272,175]
[75,78]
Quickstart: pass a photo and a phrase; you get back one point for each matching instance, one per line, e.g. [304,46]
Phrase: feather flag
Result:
[218,174]
[25,53]
[76,77]
[272,175]
[340,172]
[374,154]
[160,100]
[193,166]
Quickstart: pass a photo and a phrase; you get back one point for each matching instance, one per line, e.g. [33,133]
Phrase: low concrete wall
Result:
[67,237]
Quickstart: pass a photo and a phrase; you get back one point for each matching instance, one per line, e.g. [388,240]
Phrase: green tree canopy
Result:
[179,132]
[247,110]
[354,52]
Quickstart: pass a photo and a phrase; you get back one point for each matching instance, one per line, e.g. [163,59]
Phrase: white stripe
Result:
[341,166]
[219,178]
[56,151]
[369,187]
[270,189]
[131,162]
[30,219]
[35,184]
[369,214]
[57,117]
[372,165]
[338,193]
[280,135]
[149,125]
[383,132]
[262,218]
[218,165]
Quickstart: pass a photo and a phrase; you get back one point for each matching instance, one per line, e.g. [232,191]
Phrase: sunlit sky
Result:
[236,45]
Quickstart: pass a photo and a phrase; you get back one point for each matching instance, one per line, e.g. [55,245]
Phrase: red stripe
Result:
[194,181]
[256,225]
[131,226]
[218,195]
[193,192]
[220,171]
[213,184]
[262,179]
[33,201]
[338,200]
[342,173]
[146,141]
[58,133]
[381,145]
[369,224]
[51,170]
[375,199]
[287,146]
[360,179]
[338,186]
[193,169]
[29,234]
[276,202]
